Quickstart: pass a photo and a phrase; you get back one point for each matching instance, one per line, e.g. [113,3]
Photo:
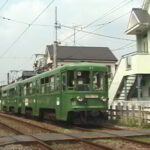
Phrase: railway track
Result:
[43,144]
[95,128]
[118,136]
[85,142]
[37,140]
[27,123]
[74,138]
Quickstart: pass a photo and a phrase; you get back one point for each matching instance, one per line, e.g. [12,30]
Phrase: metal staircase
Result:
[126,87]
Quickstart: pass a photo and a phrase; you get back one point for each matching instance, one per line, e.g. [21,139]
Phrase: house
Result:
[11,77]
[26,74]
[71,54]
[131,84]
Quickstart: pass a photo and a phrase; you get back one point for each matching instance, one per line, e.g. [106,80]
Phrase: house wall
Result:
[139,66]
[143,41]
[138,43]
[148,7]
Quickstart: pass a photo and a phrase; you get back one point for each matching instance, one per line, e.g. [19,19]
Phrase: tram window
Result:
[4,93]
[52,83]
[70,80]
[83,80]
[98,80]
[25,90]
[42,81]
[64,81]
[46,80]
[12,92]
[57,82]
[30,88]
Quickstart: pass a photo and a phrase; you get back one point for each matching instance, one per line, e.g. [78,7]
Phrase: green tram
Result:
[71,92]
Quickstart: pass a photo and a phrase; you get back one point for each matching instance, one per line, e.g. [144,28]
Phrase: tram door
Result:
[19,99]
[60,101]
[36,98]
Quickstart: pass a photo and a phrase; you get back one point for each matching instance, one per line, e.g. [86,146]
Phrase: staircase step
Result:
[122,96]
[130,79]
[129,83]
[128,86]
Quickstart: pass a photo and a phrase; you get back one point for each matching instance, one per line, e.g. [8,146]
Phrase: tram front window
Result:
[70,80]
[83,80]
[78,80]
[98,80]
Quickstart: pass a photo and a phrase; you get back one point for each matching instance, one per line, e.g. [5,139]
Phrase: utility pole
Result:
[74,39]
[55,42]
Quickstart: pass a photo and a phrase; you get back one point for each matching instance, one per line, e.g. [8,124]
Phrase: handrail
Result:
[136,52]
[124,56]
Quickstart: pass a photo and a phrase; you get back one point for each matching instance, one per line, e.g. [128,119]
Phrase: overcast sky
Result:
[20,56]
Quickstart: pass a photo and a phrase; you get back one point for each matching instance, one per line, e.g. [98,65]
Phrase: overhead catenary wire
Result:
[104,15]
[102,35]
[16,58]
[25,23]
[88,32]
[12,20]
[3,5]
[112,10]
[48,25]
[104,25]
[129,45]
[25,30]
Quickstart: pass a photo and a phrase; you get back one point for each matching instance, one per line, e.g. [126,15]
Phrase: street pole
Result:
[55,42]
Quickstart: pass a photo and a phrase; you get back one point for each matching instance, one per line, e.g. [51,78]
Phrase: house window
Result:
[128,62]
[145,44]
[52,83]
[57,82]
[109,71]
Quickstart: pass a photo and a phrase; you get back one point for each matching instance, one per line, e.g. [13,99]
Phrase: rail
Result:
[94,145]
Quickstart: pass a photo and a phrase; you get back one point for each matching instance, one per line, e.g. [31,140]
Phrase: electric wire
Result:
[3,5]
[116,8]
[129,45]
[104,25]
[104,15]
[34,20]
[16,58]
[102,35]
[44,25]
[25,23]
[16,21]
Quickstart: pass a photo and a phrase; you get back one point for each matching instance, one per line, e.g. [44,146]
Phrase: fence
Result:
[140,115]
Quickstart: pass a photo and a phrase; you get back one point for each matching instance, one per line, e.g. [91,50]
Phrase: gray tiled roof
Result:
[83,53]
[142,15]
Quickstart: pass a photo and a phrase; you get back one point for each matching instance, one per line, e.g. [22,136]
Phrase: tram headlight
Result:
[80,99]
[104,99]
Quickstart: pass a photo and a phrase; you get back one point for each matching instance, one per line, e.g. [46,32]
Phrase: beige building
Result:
[131,83]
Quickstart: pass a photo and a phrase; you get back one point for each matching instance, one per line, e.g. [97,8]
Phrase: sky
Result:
[20,39]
